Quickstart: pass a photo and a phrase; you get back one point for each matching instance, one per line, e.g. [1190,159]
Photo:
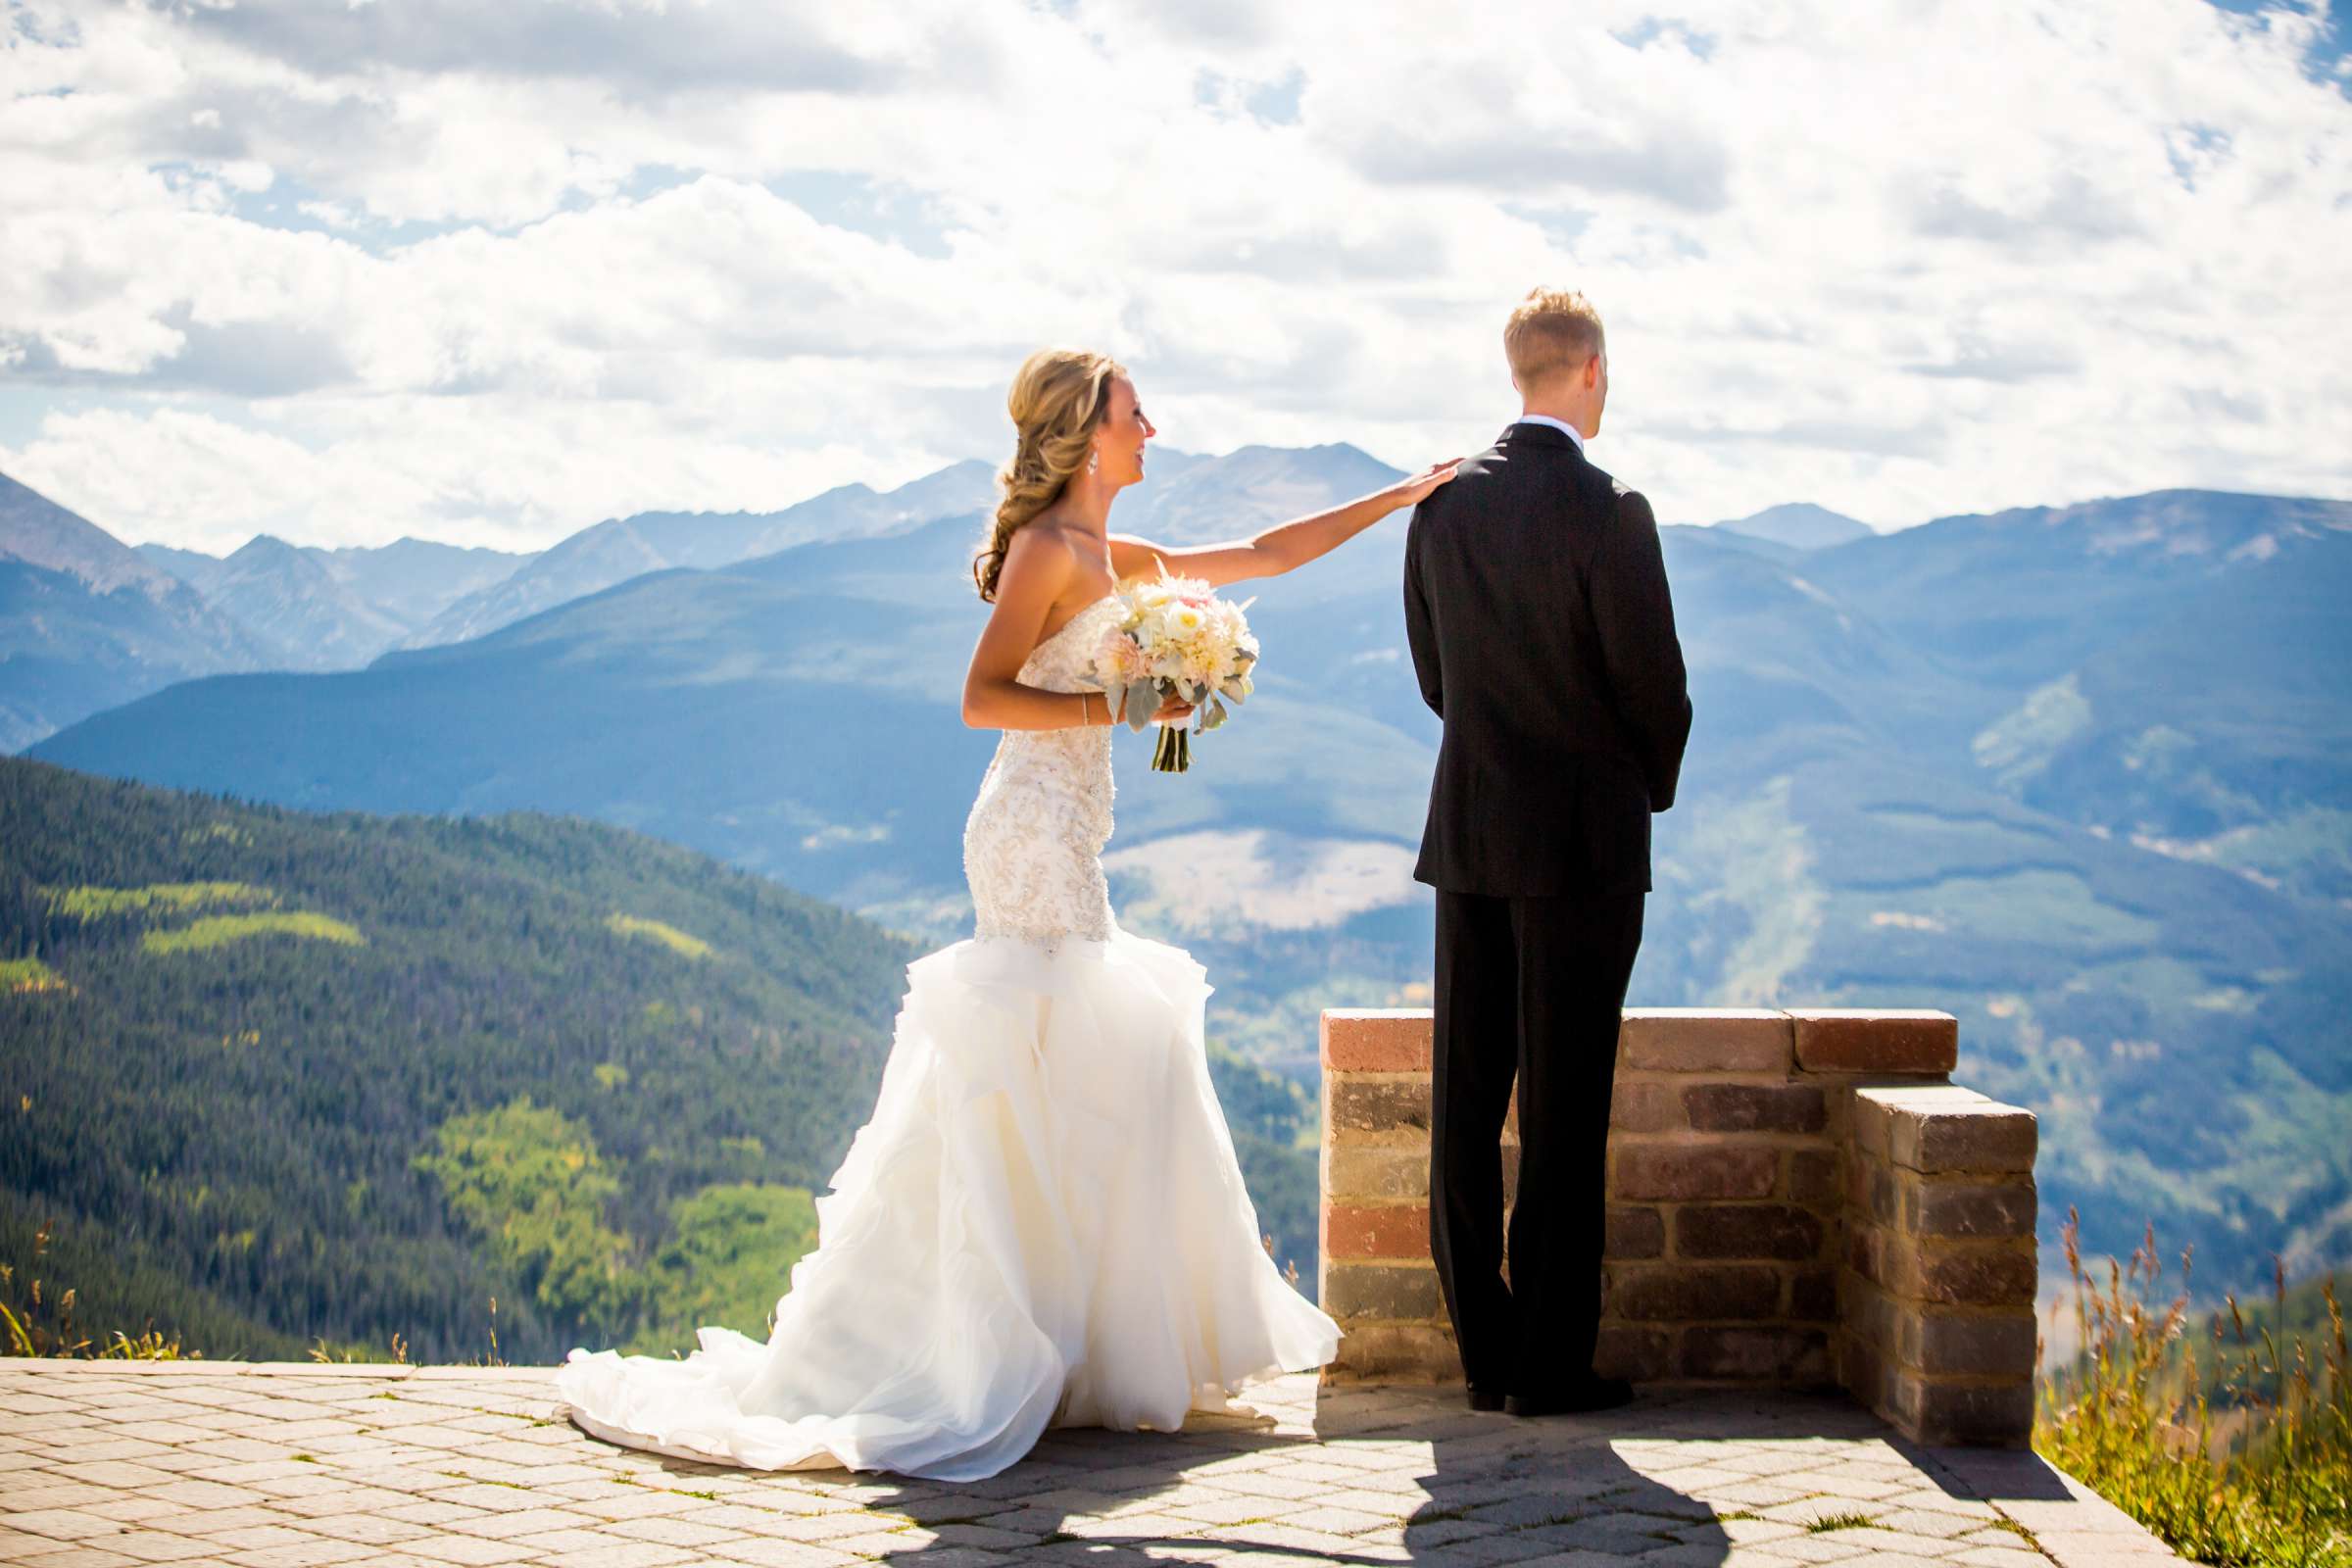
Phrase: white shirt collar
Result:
[1574,435]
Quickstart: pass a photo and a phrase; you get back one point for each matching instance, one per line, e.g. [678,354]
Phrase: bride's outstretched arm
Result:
[1038,571]
[1279,549]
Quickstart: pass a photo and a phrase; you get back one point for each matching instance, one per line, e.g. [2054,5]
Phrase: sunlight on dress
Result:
[1041,1224]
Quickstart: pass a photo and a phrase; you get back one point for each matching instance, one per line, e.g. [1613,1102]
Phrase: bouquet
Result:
[1178,641]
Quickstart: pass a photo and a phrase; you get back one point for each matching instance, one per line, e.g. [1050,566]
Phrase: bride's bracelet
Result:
[1086,715]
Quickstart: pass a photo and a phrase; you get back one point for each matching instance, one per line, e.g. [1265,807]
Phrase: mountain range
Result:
[318,609]
[275,604]
[620,548]
[1799,525]
[2078,775]
[86,622]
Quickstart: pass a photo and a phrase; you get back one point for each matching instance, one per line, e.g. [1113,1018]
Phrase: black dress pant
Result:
[1530,989]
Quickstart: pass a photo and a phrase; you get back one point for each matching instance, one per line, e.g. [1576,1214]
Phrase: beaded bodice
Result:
[1033,844]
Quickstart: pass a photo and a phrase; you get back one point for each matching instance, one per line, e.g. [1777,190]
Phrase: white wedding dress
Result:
[1043,1223]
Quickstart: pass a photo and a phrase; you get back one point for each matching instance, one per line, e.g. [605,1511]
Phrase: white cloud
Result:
[485,272]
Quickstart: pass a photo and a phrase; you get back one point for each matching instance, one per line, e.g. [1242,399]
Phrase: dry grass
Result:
[2236,1453]
[37,1319]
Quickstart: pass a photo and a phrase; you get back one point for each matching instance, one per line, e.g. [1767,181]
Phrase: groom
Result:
[1541,631]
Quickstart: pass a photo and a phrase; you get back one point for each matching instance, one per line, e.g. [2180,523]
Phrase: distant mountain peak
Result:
[1256,454]
[266,547]
[409,545]
[40,532]
[855,487]
[117,627]
[1801,525]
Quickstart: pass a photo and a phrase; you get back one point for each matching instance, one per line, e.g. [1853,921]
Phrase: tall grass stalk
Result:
[37,1319]
[2238,1455]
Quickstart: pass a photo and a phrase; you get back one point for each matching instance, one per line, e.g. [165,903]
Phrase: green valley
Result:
[279,1080]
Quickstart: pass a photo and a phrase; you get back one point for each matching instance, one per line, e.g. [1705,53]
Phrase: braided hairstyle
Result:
[1057,399]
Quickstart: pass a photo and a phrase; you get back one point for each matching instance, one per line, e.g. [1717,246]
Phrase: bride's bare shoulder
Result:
[1039,557]
[1044,536]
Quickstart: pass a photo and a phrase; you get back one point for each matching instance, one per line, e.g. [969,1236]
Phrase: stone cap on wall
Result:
[1840,1040]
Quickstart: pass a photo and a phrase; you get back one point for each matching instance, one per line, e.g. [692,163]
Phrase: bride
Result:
[1043,1223]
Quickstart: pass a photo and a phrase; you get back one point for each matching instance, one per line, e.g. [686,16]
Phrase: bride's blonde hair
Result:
[1057,400]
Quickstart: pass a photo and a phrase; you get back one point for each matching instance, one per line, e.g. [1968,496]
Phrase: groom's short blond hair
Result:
[1553,329]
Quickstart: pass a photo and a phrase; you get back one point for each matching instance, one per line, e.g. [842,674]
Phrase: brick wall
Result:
[1798,1199]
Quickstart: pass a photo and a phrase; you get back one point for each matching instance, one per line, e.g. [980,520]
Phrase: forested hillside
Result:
[278,1077]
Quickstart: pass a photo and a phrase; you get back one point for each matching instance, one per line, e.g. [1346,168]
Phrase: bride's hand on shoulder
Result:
[1410,492]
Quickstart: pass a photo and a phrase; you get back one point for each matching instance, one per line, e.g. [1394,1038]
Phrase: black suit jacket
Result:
[1542,633]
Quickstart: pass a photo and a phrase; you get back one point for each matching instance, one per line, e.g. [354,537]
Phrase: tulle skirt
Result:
[1043,1224]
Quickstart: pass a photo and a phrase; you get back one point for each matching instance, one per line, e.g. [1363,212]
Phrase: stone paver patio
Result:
[282,1465]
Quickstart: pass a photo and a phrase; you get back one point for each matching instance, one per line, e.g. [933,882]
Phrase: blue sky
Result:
[488,274]
[2325,58]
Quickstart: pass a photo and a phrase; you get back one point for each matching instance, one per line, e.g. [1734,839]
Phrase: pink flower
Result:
[1118,658]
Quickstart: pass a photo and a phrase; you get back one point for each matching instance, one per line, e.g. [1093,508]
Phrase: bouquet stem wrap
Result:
[1174,752]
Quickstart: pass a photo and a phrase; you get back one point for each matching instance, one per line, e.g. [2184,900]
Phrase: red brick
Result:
[1704,1040]
[1813,1296]
[1357,1169]
[1875,1040]
[1747,1230]
[1977,1277]
[1983,1414]
[1870,1314]
[1381,1290]
[1813,1177]
[1640,1107]
[1755,1107]
[1700,1170]
[1376,1040]
[1984,1137]
[1352,1230]
[1375,1104]
[1881,1202]
[1970,1209]
[1858,1176]
[1951,1274]
[1866,1249]
[1977,1344]
[1635,1232]
[1397,1352]
[1693,1293]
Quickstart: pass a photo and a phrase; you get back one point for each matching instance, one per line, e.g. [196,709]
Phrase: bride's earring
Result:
[1092,458]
